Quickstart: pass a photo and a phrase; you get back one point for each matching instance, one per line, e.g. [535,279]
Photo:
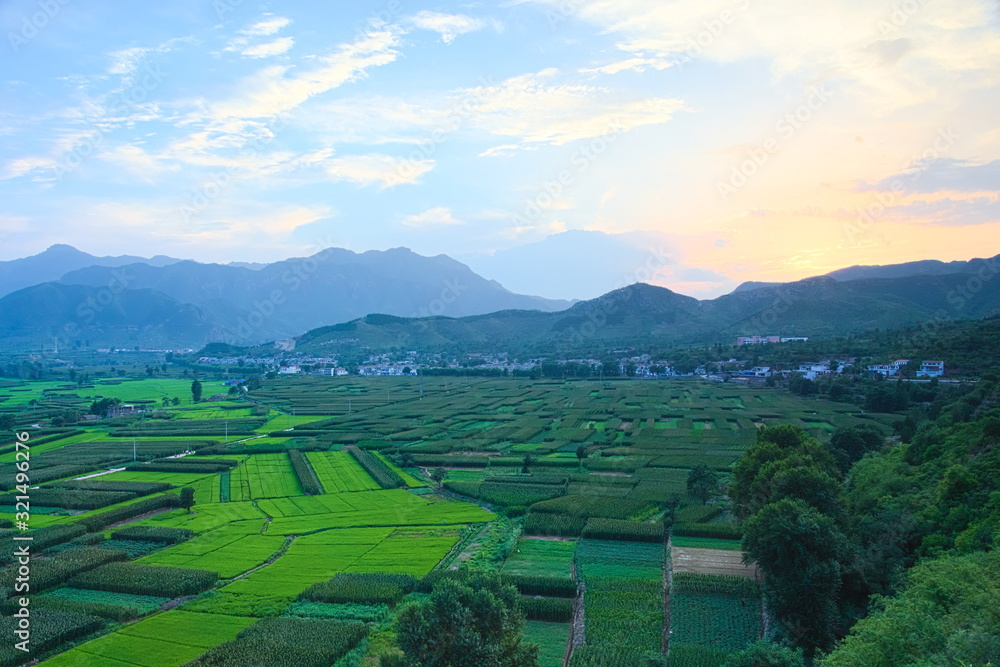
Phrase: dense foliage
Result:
[477,623]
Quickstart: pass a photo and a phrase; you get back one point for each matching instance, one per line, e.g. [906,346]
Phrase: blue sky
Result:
[747,139]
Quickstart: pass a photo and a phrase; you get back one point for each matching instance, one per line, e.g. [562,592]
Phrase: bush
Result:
[295,642]
[720,531]
[153,534]
[630,531]
[556,610]
[561,525]
[385,476]
[537,585]
[141,579]
[367,588]
[119,514]
[49,572]
[307,476]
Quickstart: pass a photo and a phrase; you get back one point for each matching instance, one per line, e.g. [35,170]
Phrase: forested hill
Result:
[919,520]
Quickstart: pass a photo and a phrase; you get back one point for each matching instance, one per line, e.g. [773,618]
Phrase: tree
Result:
[581,453]
[187,497]
[526,468]
[196,390]
[849,444]
[799,551]
[438,475]
[947,616]
[175,401]
[702,481]
[478,623]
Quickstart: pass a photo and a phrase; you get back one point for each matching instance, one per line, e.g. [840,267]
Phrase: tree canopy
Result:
[475,623]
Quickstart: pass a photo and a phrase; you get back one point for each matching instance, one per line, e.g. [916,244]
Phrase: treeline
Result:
[832,526]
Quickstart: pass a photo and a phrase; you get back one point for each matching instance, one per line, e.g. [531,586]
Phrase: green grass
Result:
[552,639]
[264,476]
[705,543]
[339,471]
[408,479]
[165,640]
[229,550]
[544,558]
[393,507]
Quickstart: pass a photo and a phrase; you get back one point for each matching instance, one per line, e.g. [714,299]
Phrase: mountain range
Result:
[644,314]
[399,298]
[237,303]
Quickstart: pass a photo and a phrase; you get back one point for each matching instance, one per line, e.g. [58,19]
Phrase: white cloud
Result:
[275,48]
[449,26]
[267,27]
[375,169]
[25,165]
[439,216]
[279,89]
[538,111]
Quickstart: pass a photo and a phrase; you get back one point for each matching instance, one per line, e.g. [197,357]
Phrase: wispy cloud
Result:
[275,48]
[439,216]
[267,26]
[538,110]
[449,26]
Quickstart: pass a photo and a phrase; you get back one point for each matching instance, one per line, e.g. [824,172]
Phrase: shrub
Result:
[616,529]
[557,610]
[561,525]
[385,476]
[367,588]
[142,579]
[153,534]
[307,476]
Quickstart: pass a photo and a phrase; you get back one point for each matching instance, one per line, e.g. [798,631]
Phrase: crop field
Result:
[551,638]
[264,476]
[338,471]
[720,612]
[543,558]
[391,507]
[165,640]
[588,465]
[229,550]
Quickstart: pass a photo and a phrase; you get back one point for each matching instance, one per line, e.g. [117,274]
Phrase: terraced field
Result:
[585,470]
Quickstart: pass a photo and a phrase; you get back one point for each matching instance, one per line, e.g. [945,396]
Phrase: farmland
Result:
[372,478]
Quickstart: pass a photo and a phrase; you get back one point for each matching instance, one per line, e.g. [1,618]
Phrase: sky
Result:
[738,139]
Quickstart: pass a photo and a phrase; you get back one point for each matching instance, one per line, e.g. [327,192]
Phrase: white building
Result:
[931,369]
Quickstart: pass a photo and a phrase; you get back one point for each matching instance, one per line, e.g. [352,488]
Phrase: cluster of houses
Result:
[761,340]
[931,369]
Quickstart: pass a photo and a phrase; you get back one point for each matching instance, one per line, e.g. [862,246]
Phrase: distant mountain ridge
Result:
[397,298]
[52,263]
[642,314]
[924,267]
[255,303]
